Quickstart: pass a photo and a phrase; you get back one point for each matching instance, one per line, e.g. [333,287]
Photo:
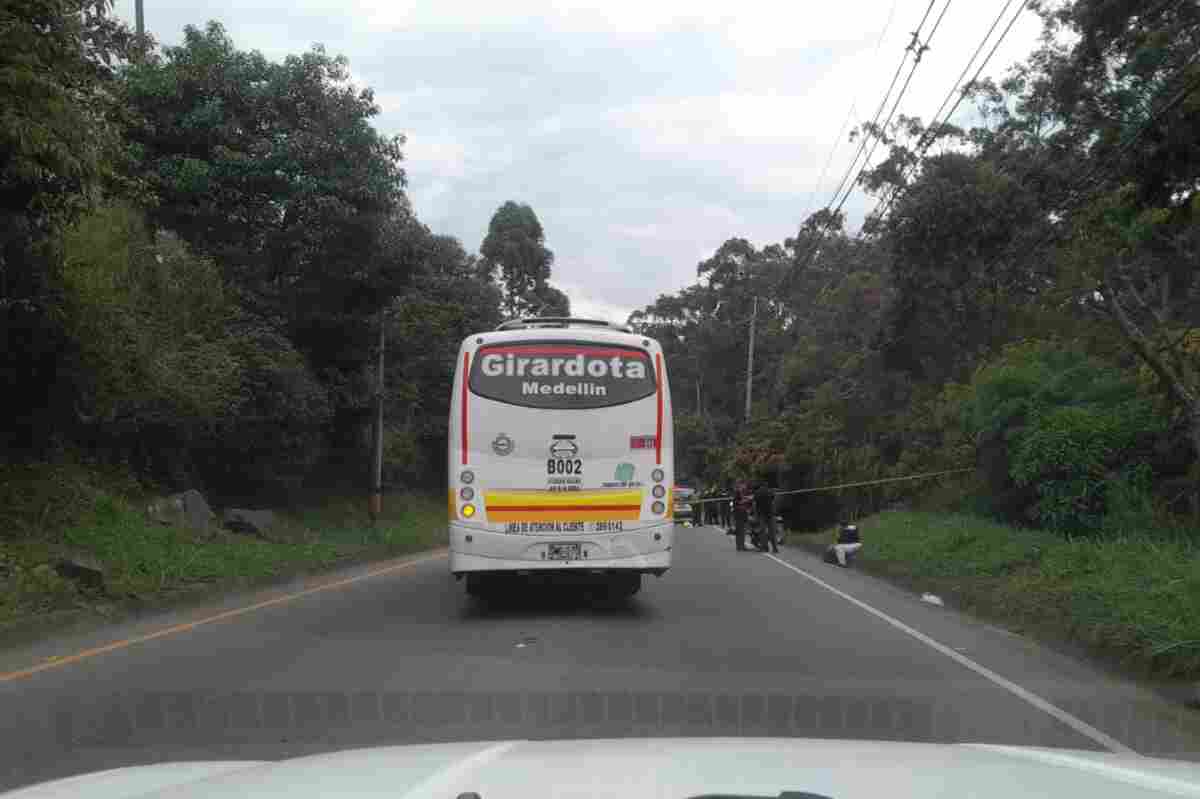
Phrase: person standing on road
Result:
[724,507]
[743,501]
[764,507]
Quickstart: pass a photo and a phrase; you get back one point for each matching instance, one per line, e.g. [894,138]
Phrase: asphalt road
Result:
[724,644]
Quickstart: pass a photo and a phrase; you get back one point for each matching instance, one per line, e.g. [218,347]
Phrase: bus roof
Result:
[561,321]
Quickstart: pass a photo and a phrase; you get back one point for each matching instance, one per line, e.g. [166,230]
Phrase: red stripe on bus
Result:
[534,350]
[553,508]
[658,437]
[465,371]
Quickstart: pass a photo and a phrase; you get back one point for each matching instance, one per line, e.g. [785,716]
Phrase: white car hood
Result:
[652,767]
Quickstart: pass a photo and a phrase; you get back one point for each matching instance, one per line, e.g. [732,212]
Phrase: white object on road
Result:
[932,599]
[642,768]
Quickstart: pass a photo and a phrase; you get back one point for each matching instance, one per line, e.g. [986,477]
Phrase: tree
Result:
[950,239]
[168,374]
[552,302]
[1124,98]
[445,304]
[1057,431]
[274,170]
[59,150]
[57,63]
[1136,267]
[515,249]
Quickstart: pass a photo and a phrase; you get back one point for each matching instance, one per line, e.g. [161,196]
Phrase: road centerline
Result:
[174,629]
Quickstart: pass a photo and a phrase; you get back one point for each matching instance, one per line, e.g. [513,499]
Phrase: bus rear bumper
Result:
[646,550]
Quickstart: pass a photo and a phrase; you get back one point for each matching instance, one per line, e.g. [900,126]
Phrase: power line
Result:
[828,160]
[914,46]
[883,102]
[849,113]
[919,50]
[930,138]
[880,481]
[862,145]
[959,83]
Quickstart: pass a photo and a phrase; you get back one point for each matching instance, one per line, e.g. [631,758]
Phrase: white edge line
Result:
[1074,723]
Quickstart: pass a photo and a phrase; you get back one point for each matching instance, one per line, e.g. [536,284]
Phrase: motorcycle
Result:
[759,534]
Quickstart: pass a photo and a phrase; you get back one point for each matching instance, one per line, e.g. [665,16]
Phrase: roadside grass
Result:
[1133,596]
[51,510]
[408,523]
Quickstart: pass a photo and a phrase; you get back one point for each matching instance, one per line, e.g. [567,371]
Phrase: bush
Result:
[146,319]
[266,451]
[144,557]
[1134,595]
[405,459]
[1057,431]
[40,499]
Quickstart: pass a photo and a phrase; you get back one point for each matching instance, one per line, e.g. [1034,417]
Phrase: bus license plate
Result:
[563,551]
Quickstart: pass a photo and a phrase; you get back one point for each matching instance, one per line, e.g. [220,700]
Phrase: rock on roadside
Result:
[81,568]
[249,522]
[187,509]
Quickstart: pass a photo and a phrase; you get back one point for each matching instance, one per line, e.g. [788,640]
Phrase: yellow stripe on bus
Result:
[564,515]
[564,506]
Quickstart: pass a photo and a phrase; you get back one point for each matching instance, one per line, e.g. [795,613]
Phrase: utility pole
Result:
[376,508]
[750,358]
[141,19]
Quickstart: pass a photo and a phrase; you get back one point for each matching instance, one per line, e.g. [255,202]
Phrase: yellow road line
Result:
[57,662]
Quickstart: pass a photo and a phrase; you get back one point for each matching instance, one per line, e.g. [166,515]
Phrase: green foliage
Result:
[408,522]
[515,248]
[147,321]
[405,461]
[698,455]
[145,558]
[274,170]
[1135,596]
[40,499]
[552,302]
[948,237]
[1068,424]
[56,133]
[98,511]
[445,304]
[277,437]
[60,149]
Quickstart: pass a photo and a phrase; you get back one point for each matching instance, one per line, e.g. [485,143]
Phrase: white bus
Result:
[561,455]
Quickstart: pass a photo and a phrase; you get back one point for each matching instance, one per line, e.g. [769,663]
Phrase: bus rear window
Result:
[562,374]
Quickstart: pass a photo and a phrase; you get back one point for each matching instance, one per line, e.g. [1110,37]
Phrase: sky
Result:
[643,135]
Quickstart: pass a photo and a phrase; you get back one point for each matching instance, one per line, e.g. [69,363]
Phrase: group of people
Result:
[733,507]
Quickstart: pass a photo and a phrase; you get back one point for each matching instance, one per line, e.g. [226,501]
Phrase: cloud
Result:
[584,304]
[643,134]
